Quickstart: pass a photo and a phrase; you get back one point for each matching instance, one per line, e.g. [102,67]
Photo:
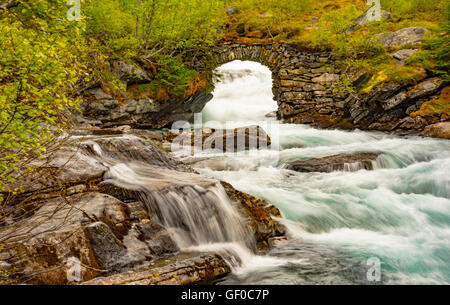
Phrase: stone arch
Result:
[301,78]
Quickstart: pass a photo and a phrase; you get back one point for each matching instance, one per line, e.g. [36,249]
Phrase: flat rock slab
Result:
[333,163]
[175,271]
[403,37]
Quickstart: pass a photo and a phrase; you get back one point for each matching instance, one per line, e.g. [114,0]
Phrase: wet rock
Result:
[340,162]
[275,242]
[438,130]
[182,270]
[259,212]
[137,149]
[107,249]
[238,139]
[418,123]
[403,37]
[95,229]
[55,234]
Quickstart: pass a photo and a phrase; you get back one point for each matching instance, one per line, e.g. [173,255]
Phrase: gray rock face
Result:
[107,249]
[404,54]
[129,73]
[388,106]
[403,37]
[423,89]
[141,113]
[347,162]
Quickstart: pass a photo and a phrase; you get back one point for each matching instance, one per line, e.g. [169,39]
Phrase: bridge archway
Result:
[301,78]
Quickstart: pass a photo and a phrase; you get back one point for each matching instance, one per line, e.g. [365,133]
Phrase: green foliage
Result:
[333,32]
[431,8]
[39,66]
[280,19]
[173,76]
[435,55]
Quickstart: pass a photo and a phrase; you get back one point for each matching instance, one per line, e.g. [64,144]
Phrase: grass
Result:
[325,24]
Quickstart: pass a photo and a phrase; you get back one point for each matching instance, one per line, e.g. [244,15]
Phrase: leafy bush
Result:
[40,65]
[172,78]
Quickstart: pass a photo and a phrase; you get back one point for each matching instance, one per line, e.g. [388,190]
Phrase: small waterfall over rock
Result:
[195,210]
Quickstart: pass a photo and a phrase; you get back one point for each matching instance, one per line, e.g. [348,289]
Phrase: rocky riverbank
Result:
[68,213]
[306,85]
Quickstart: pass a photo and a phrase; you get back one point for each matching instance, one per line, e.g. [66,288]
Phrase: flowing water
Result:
[338,222]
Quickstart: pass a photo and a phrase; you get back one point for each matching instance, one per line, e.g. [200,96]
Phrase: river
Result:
[341,224]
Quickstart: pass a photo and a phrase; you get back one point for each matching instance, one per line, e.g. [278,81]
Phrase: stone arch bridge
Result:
[305,86]
[302,80]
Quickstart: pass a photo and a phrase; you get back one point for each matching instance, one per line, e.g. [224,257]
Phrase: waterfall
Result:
[196,211]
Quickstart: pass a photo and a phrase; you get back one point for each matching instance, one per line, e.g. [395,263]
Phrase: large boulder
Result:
[438,130]
[88,227]
[340,162]
[231,140]
[403,37]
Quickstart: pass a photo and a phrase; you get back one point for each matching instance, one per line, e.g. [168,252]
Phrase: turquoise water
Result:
[398,213]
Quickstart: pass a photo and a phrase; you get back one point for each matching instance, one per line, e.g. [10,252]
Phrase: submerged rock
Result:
[340,162]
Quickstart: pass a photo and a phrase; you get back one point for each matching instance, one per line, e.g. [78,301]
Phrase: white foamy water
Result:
[399,212]
[245,94]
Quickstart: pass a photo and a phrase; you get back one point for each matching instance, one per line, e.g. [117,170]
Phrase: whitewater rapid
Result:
[399,213]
